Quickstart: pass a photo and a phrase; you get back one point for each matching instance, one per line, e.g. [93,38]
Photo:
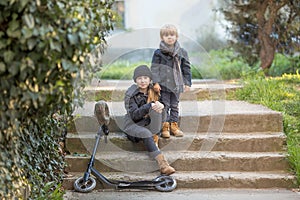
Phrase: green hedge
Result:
[43,49]
[284,64]
[221,64]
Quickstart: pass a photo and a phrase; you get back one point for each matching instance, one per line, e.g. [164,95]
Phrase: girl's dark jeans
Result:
[146,133]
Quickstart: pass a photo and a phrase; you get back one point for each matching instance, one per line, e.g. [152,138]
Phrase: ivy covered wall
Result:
[45,49]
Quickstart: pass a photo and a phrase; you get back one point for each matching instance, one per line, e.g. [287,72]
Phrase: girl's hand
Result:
[157,106]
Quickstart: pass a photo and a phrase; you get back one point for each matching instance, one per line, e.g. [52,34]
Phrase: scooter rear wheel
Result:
[168,185]
[81,186]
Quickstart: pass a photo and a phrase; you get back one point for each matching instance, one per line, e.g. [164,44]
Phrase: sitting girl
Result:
[145,115]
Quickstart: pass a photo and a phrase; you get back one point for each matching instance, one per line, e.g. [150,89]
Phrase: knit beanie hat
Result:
[142,70]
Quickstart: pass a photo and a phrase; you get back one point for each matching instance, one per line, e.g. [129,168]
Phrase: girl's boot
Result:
[164,166]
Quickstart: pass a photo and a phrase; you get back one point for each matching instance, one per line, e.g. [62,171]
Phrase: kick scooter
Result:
[87,183]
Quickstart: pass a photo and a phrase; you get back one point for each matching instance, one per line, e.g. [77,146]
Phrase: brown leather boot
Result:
[175,130]
[155,138]
[165,133]
[164,166]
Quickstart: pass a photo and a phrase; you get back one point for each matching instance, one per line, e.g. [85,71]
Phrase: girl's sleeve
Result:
[138,113]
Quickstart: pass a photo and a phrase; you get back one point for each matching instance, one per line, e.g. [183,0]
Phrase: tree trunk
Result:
[267,53]
[266,15]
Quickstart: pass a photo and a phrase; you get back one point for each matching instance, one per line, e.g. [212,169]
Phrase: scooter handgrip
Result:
[105,129]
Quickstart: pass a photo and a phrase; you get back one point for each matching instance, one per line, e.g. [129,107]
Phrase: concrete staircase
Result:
[227,144]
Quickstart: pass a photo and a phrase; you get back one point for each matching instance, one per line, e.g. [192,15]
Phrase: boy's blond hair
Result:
[168,29]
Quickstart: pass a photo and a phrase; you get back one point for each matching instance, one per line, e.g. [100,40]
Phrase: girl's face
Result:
[169,38]
[143,82]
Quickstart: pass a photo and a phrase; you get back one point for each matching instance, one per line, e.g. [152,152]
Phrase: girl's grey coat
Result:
[140,120]
[136,106]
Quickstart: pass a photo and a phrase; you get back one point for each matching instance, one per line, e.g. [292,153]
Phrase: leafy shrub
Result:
[43,51]
[217,64]
[196,73]
[123,70]
[119,70]
[223,64]
[50,193]
[284,64]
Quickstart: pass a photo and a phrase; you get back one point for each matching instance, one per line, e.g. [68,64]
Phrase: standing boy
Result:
[144,118]
[171,76]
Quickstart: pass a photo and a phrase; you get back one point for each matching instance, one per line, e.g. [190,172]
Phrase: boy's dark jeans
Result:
[171,101]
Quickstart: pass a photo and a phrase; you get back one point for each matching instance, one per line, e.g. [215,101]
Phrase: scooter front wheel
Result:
[168,183]
[84,186]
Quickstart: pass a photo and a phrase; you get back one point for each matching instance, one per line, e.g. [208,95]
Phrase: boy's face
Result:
[143,82]
[169,38]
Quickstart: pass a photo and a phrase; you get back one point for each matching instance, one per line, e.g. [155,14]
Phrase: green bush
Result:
[196,73]
[123,70]
[228,66]
[50,193]
[223,64]
[217,64]
[43,51]
[119,70]
[284,64]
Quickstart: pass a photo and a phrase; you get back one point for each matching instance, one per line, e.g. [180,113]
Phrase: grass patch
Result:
[119,70]
[280,94]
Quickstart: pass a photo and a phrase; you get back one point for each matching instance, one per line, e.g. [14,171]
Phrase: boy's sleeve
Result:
[155,67]
[186,68]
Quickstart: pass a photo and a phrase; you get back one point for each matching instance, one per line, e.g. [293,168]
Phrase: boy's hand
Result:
[187,88]
[156,87]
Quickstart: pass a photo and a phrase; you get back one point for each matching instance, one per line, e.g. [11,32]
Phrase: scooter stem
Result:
[92,159]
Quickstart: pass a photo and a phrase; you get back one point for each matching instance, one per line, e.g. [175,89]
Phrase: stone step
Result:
[94,94]
[195,117]
[184,161]
[227,144]
[203,179]
[256,142]
[114,90]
